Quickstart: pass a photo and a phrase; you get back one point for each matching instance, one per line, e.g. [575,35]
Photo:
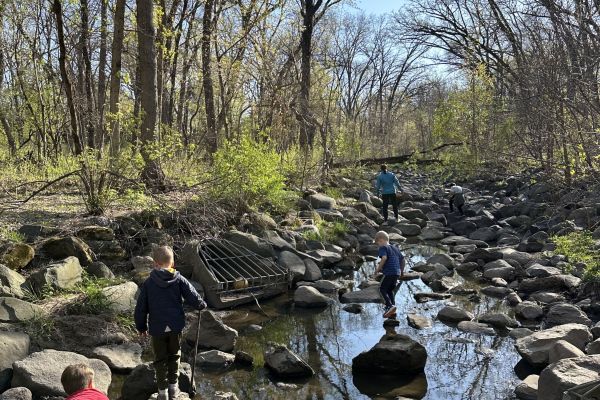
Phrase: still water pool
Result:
[459,365]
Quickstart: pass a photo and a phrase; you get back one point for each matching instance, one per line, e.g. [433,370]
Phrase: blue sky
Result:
[379,6]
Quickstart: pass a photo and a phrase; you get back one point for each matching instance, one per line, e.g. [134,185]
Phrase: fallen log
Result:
[400,158]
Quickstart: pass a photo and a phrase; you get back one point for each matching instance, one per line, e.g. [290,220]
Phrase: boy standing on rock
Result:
[392,264]
[160,304]
[78,382]
[387,186]
[457,198]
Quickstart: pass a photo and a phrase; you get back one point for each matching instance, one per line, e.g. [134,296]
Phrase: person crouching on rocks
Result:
[391,264]
[457,198]
[160,301]
[387,186]
[78,383]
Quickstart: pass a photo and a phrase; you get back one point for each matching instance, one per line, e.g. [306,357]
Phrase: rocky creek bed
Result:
[487,311]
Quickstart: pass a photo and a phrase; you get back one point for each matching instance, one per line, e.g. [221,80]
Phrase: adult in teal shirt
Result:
[387,186]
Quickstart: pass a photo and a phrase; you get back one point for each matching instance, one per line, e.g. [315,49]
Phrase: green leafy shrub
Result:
[580,247]
[328,231]
[334,192]
[248,172]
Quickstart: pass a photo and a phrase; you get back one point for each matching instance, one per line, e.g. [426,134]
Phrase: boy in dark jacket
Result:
[160,306]
[391,264]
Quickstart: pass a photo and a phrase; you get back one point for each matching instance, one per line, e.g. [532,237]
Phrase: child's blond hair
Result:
[77,377]
[382,235]
[163,256]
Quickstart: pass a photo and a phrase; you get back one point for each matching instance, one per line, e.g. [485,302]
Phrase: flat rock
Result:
[353,308]
[367,295]
[454,315]
[423,297]
[541,271]
[498,320]
[323,286]
[553,283]
[15,310]
[496,291]
[40,372]
[319,200]
[476,327]
[418,321]
[215,359]
[120,357]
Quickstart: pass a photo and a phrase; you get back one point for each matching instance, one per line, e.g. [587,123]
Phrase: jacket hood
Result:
[164,278]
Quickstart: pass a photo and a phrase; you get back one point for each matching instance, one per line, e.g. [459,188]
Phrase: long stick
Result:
[192,392]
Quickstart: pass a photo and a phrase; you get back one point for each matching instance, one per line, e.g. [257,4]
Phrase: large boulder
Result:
[454,315]
[394,354]
[309,297]
[285,364]
[319,200]
[566,373]
[120,357]
[14,346]
[214,334]
[483,255]
[16,255]
[99,270]
[541,271]
[485,234]
[535,347]
[498,320]
[565,313]
[70,246]
[429,233]
[15,310]
[40,372]
[413,213]
[293,263]
[251,242]
[64,274]
[140,384]
[553,283]
[122,297]
[11,282]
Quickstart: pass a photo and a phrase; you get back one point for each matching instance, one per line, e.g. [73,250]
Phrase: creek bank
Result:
[503,241]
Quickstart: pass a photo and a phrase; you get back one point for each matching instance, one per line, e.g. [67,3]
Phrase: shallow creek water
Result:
[459,365]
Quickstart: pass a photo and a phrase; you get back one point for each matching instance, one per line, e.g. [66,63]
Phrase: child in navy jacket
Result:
[159,311]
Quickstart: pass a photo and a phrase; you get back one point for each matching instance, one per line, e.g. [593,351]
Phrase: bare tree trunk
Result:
[212,142]
[307,128]
[115,77]
[57,10]
[100,132]
[152,173]
[89,118]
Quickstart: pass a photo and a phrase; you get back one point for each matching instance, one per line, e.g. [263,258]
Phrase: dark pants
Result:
[459,206]
[167,351]
[387,200]
[388,289]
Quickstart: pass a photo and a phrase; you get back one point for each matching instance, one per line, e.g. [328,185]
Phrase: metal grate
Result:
[237,269]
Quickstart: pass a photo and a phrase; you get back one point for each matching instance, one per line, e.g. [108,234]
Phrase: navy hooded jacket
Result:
[160,303]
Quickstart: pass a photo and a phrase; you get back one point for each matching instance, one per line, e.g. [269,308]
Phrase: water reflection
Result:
[459,366]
